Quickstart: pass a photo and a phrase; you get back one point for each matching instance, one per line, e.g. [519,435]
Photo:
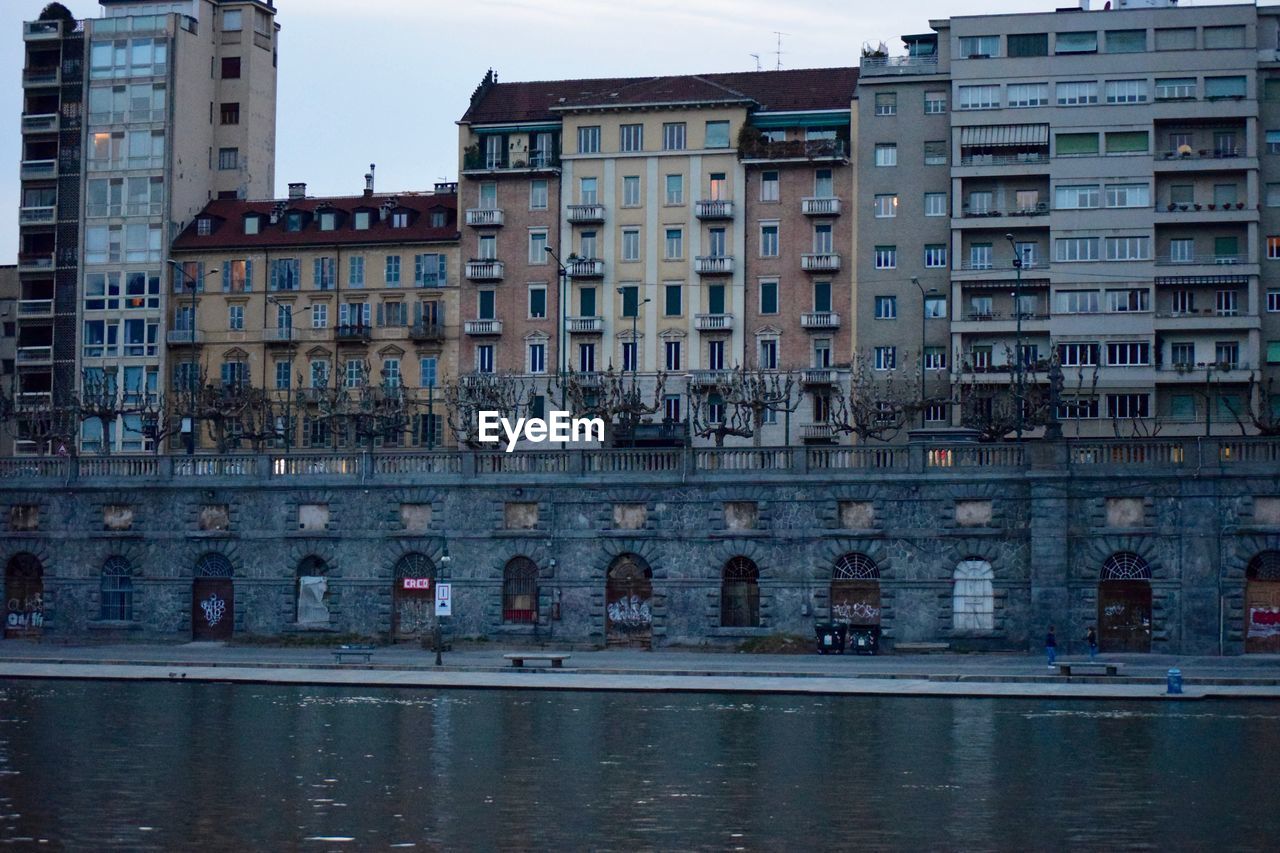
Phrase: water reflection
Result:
[159,766]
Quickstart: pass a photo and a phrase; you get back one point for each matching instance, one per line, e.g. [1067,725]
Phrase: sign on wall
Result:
[444,602]
[416,583]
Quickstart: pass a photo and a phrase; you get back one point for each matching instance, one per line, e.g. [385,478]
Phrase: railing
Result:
[1002,266]
[713,322]
[794,149]
[839,458]
[528,462]
[974,456]
[586,268]
[713,209]
[41,123]
[38,30]
[484,217]
[820,320]
[118,466]
[35,308]
[316,466]
[585,325]
[34,169]
[34,467]
[480,161]
[633,461]
[184,336]
[1023,159]
[1201,153]
[1249,450]
[353,332]
[482,327]
[713,264]
[1041,209]
[820,206]
[991,316]
[586,213]
[1216,260]
[733,459]
[875,66]
[417,463]
[819,376]
[35,355]
[215,466]
[44,215]
[1126,453]
[42,76]
[820,262]
[485,270]
[426,332]
[709,377]
[810,432]
[35,263]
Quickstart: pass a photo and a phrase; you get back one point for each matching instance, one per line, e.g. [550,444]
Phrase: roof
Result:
[227,216]
[798,90]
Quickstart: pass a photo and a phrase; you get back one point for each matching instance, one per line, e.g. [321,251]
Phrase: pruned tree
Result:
[738,402]
[99,400]
[468,396]
[612,396]
[877,403]
[995,408]
[1259,407]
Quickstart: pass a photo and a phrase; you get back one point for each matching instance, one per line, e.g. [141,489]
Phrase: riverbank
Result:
[1021,676]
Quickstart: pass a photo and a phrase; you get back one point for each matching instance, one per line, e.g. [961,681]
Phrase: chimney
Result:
[368,180]
[297,191]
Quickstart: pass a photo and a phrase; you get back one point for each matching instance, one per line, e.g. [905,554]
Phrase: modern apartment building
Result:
[9,292]
[304,296]
[697,222]
[132,123]
[1123,158]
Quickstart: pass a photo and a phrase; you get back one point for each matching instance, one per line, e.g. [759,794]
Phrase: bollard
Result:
[1174,681]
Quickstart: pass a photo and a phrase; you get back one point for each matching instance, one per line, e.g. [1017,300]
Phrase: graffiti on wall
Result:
[1264,622]
[214,608]
[27,612]
[859,611]
[630,613]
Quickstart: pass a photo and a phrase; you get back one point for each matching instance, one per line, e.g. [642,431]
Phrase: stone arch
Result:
[312,596]
[24,576]
[740,593]
[629,601]
[116,589]
[1124,617]
[973,600]
[1262,603]
[213,601]
[854,579]
[651,555]
[414,576]
[520,591]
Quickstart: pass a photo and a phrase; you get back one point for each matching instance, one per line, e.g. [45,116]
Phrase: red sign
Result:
[416,583]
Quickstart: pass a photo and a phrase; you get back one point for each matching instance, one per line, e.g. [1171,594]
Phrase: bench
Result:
[921,648]
[556,659]
[341,652]
[1088,667]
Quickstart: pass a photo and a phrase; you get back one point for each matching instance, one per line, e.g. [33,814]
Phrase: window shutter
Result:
[381,317]
[417,269]
[443,270]
[248,276]
[226,278]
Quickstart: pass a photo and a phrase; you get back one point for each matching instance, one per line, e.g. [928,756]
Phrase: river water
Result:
[96,765]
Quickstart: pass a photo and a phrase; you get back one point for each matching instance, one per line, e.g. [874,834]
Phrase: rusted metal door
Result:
[212,608]
[855,602]
[629,603]
[1262,616]
[1124,616]
[24,597]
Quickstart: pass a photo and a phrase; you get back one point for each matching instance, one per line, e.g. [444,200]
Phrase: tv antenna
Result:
[778,53]
[756,57]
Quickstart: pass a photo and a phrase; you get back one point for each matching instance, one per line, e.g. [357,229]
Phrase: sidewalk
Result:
[482,666]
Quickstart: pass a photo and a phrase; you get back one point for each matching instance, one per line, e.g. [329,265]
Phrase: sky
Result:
[383,81]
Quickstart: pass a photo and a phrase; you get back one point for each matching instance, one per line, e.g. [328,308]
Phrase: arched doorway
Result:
[1262,603]
[740,594]
[24,597]
[520,592]
[413,608]
[213,602]
[628,600]
[855,590]
[311,604]
[973,606]
[1124,604]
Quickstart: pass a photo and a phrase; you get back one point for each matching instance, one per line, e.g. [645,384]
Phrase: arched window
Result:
[740,594]
[855,590]
[973,605]
[1125,566]
[856,567]
[213,566]
[416,566]
[117,590]
[1264,567]
[520,592]
[313,591]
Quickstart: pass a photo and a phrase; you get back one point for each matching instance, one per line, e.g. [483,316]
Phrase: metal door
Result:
[1124,616]
[212,608]
[629,603]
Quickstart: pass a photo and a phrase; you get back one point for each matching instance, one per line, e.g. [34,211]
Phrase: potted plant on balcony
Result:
[1239,205]
[1212,206]
[1197,205]
[1172,207]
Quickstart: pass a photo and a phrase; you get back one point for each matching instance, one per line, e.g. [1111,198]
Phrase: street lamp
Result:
[924,316]
[436,636]
[1017,312]
[194,282]
[563,273]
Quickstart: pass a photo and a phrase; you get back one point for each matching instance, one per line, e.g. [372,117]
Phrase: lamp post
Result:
[193,282]
[1017,313]
[288,391]
[563,276]
[924,316]
[436,634]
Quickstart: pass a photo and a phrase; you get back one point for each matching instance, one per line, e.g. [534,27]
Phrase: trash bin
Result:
[1174,681]
[864,639]
[830,637]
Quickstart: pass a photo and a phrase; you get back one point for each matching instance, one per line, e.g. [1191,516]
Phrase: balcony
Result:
[1203,160]
[820,262]
[184,337]
[35,263]
[278,336]
[714,209]
[484,270]
[32,356]
[584,325]
[580,214]
[37,169]
[893,66]
[426,332]
[1207,259]
[586,268]
[818,433]
[707,378]
[353,333]
[37,215]
[819,376]
[1024,158]
[713,322]
[33,77]
[42,123]
[485,217]
[476,162]
[794,151]
[815,206]
[820,320]
[33,308]
[481,328]
[41,30]
[1194,214]
[713,264]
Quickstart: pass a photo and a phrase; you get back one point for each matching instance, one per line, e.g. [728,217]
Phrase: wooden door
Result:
[855,602]
[212,608]
[1262,616]
[1124,616]
[629,604]
[24,597]
[413,609]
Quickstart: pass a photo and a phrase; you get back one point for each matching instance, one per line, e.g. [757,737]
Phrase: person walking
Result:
[1051,646]
[1091,638]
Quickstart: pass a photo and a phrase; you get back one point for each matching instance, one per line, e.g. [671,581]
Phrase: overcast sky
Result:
[383,81]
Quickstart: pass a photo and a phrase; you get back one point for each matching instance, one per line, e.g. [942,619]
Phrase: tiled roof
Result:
[798,89]
[228,215]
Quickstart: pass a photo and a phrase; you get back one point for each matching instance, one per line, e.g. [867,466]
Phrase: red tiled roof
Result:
[228,217]
[793,89]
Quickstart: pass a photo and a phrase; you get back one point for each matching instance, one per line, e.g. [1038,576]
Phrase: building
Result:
[305,296]
[9,292]
[694,226]
[132,123]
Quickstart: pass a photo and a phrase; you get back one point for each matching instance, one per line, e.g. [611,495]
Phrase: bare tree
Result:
[468,396]
[1257,409]
[612,396]
[878,403]
[738,403]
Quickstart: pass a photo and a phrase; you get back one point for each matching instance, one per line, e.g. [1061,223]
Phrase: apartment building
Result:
[9,292]
[694,225]
[1121,158]
[305,295]
[132,123]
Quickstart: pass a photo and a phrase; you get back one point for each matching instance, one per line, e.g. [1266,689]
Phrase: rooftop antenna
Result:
[778,53]
[756,57]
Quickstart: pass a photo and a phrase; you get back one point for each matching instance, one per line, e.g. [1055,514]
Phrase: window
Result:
[1128,195]
[1128,405]
[768,241]
[537,358]
[1223,37]
[431,270]
[973,596]
[1227,353]
[979,47]
[1075,144]
[715,355]
[980,202]
[935,255]
[672,300]
[769,354]
[1224,87]
[538,195]
[631,191]
[886,307]
[230,113]
[1078,354]
[1076,249]
[935,307]
[935,358]
[1076,43]
[886,257]
[935,204]
[228,158]
[1175,89]
[231,68]
[887,154]
[520,592]
[1077,94]
[978,97]
[1126,91]
[740,594]
[116,588]
[1028,94]
[769,186]
[484,358]
[631,245]
[674,244]
[1227,303]
[1077,197]
[717,134]
[355,272]
[886,206]
[1225,194]
[675,189]
[980,256]
[673,133]
[672,352]
[589,139]
[537,247]
[886,103]
[769,297]
[1028,44]
[285,274]
[588,190]
[1126,41]
[1128,353]
[631,137]
[935,103]
[1129,299]
[935,153]
[1273,248]
[1273,301]
[1127,142]
[1128,248]
[886,358]
[322,273]
[235,318]
[823,184]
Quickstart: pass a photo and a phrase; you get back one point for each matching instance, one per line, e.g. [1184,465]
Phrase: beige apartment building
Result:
[697,220]
[303,296]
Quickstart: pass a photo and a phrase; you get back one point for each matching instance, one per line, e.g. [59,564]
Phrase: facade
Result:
[9,292]
[306,294]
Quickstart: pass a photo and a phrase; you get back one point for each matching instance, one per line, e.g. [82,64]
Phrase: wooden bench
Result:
[556,659]
[1088,667]
[341,652]
[921,648]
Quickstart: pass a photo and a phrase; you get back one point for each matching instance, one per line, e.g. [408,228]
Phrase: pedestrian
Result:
[1091,637]
[1051,646]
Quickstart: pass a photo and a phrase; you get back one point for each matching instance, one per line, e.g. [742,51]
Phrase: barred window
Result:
[973,596]
[520,592]
[117,590]
[740,594]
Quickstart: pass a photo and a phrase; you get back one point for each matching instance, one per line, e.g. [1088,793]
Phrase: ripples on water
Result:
[166,766]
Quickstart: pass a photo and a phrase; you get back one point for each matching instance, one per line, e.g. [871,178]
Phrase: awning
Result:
[1004,135]
[1004,284]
